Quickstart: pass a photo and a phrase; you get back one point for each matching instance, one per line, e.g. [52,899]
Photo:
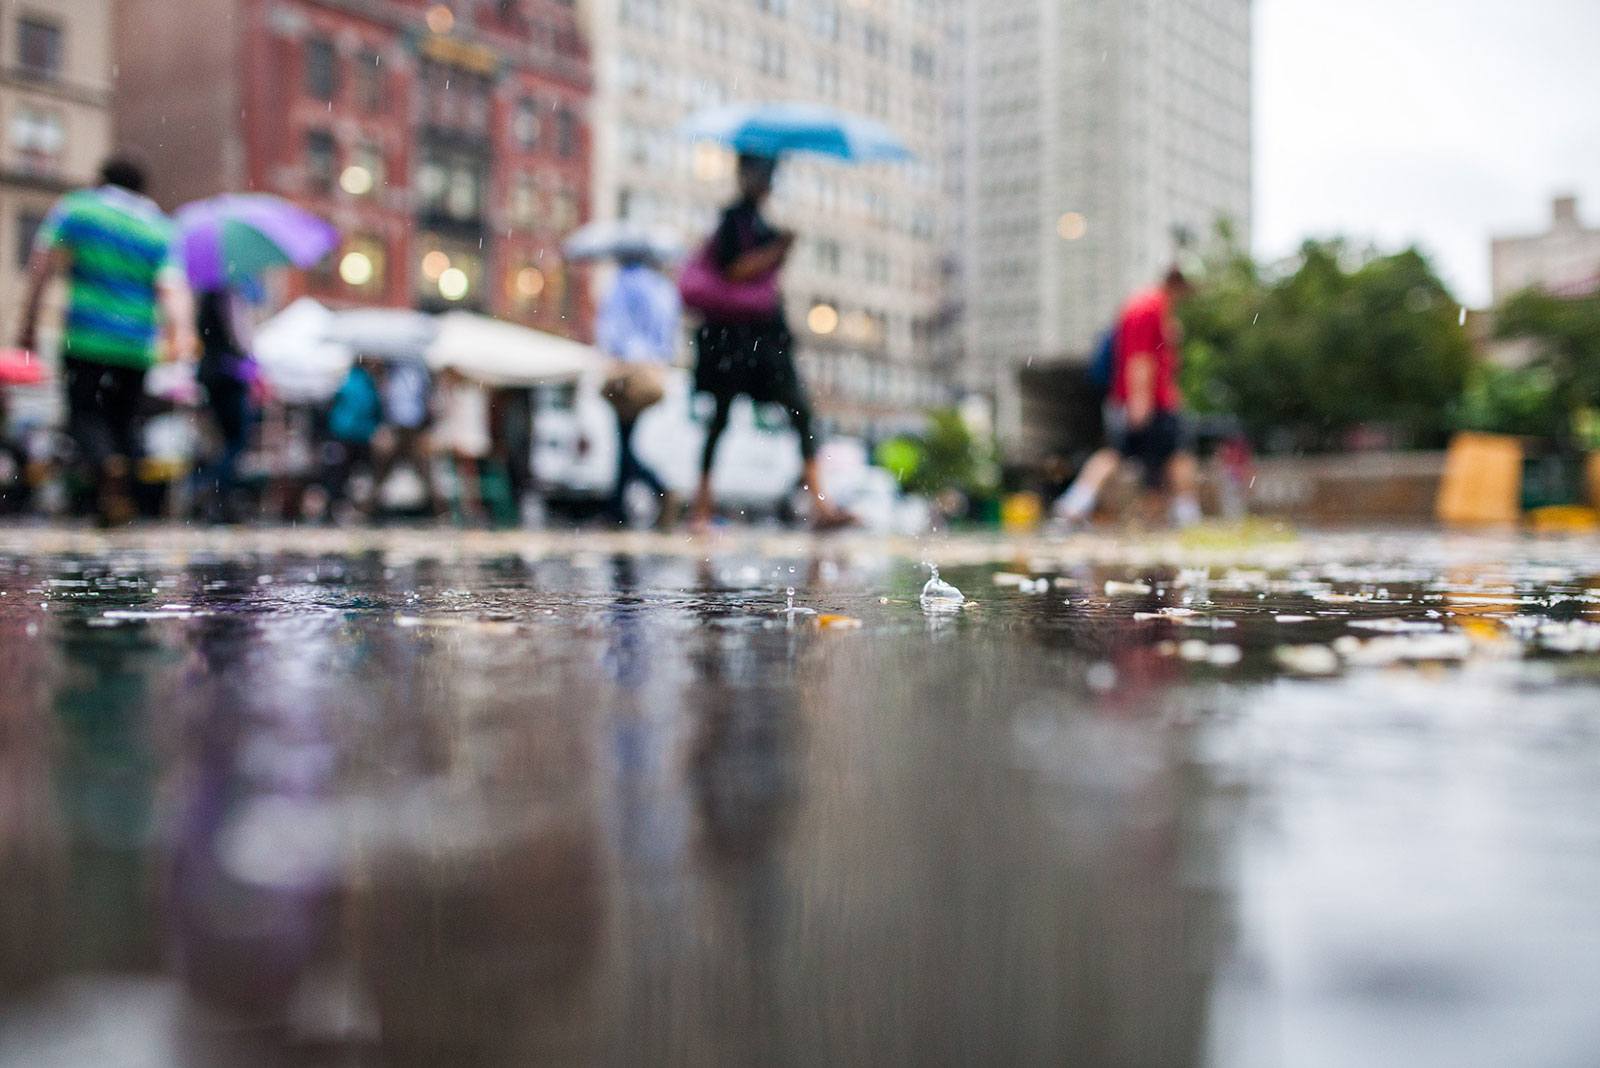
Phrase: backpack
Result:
[1103,364]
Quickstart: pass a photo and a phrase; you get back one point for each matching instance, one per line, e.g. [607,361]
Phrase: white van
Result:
[575,445]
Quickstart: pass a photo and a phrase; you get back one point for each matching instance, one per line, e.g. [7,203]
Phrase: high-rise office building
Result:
[864,285]
[1101,139]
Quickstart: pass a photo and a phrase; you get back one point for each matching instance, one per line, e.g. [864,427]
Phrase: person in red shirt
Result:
[1144,420]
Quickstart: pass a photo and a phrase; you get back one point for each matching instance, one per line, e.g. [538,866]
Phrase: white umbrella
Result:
[395,334]
[498,353]
[296,358]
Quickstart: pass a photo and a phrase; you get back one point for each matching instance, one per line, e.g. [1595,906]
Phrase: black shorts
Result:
[105,406]
[1153,445]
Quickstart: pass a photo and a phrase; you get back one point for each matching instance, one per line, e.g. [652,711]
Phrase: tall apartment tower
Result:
[1101,140]
[864,287]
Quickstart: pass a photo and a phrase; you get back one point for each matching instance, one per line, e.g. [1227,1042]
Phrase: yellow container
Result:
[1564,519]
[1021,511]
[1482,481]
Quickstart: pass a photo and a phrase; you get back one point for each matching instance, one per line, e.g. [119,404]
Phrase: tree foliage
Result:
[1335,339]
[1566,334]
[947,456]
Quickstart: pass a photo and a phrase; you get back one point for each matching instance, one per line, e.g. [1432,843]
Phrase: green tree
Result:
[1566,334]
[1336,338]
[947,456]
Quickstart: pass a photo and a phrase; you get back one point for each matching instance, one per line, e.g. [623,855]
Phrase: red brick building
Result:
[448,141]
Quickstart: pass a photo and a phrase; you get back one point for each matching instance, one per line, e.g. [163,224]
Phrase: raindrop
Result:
[938,595]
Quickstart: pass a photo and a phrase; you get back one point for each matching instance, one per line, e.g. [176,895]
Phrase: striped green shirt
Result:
[121,246]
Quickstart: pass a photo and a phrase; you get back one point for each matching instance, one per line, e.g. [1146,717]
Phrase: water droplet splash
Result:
[789,609]
[938,595]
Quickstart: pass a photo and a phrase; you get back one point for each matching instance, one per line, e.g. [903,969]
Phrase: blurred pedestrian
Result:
[124,288]
[406,391]
[353,419]
[749,350]
[461,432]
[638,328]
[232,384]
[1144,409]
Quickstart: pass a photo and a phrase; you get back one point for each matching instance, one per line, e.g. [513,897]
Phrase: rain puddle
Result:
[815,805]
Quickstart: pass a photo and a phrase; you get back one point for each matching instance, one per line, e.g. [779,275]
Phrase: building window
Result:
[566,133]
[825,20]
[39,48]
[564,210]
[524,203]
[369,81]
[37,139]
[525,124]
[28,224]
[322,69]
[450,184]
[321,161]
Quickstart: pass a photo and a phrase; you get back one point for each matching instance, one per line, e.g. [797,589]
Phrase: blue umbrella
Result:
[773,129]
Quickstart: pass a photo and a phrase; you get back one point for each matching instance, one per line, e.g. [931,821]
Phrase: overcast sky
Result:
[1434,121]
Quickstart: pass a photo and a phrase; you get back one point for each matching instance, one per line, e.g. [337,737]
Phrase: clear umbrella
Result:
[621,239]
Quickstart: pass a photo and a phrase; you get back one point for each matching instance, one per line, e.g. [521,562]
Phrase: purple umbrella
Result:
[239,235]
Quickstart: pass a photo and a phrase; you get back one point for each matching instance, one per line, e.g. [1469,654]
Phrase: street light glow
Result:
[434,264]
[530,282]
[1072,226]
[824,319]
[453,284]
[356,180]
[441,19]
[356,268]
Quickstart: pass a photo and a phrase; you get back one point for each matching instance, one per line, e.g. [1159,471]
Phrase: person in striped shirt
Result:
[125,290]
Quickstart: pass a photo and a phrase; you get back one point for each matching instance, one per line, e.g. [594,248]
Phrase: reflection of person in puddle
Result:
[254,866]
[479,907]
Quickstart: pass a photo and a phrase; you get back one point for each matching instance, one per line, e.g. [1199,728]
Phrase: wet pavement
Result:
[282,798]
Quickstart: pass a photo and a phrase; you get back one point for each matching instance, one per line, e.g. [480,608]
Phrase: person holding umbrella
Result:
[744,345]
[748,350]
[228,242]
[233,386]
[638,328]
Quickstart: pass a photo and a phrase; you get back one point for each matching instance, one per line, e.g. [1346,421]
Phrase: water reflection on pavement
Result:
[627,809]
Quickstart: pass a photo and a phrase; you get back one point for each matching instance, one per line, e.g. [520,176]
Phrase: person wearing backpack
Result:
[1144,420]
[353,418]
